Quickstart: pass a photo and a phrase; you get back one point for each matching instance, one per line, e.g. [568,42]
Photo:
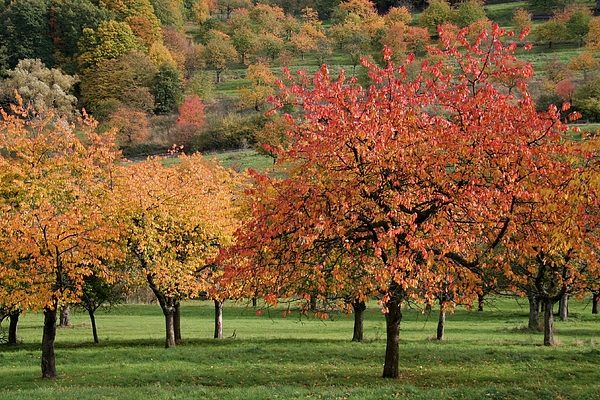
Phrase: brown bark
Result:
[595,301]
[48,356]
[393,317]
[359,308]
[94,329]
[563,307]
[218,319]
[254,302]
[65,316]
[313,303]
[170,327]
[441,327]
[548,324]
[534,313]
[167,304]
[177,323]
[12,326]
[480,301]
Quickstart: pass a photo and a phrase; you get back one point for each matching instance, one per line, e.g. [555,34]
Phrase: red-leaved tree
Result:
[394,184]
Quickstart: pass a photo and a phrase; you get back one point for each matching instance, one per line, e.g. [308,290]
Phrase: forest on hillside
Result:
[198,73]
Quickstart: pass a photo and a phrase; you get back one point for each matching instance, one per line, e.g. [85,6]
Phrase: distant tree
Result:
[270,45]
[403,39]
[398,14]
[592,39]
[262,82]
[307,39]
[191,112]
[468,12]
[110,40]
[25,31]
[219,52]
[40,87]
[132,126]
[201,85]
[167,89]
[363,9]
[145,29]
[354,39]
[160,55]
[551,32]
[201,10]
[122,81]
[521,20]
[227,7]
[584,62]
[267,18]
[245,41]
[169,12]
[437,13]
[68,18]
[576,20]
[273,136]
[587,100]
[565,89]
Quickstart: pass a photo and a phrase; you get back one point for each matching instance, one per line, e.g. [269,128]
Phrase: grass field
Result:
[486,356]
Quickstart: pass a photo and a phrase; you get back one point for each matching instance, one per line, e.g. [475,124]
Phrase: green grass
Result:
[502,13]
[486,356]
[241,160]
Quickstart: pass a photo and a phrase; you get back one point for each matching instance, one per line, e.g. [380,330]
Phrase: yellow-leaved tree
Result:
[177,220]
[55,181]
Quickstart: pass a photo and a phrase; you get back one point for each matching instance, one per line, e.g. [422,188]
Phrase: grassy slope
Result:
[486,355]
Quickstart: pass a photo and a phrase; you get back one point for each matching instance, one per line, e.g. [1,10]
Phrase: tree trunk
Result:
[254,302]
[441,323]
[392,346]
[480,301]
[563,307]
[359,308]
[597,9]
[177,323]
[170,327]
[65,316]
[48,356]
[313,303]
[94,329]
[218,319]
[534,313]
[548,324]
[595,301]
[218,73]
[12,327]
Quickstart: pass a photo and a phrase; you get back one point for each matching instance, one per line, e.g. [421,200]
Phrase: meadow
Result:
[487,355]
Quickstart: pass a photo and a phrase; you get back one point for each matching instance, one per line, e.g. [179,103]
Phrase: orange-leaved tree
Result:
[55,182]
[177,219]
[416,169]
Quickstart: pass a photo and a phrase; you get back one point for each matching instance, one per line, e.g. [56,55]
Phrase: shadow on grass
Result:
[301,362]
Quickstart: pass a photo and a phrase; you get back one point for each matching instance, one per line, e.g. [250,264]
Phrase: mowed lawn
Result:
[486,356]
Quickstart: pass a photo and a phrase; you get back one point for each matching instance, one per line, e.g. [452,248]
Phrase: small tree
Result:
[132,126]
[98,292]
[262,84]
[167,89]
[522,20]
[219,52]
